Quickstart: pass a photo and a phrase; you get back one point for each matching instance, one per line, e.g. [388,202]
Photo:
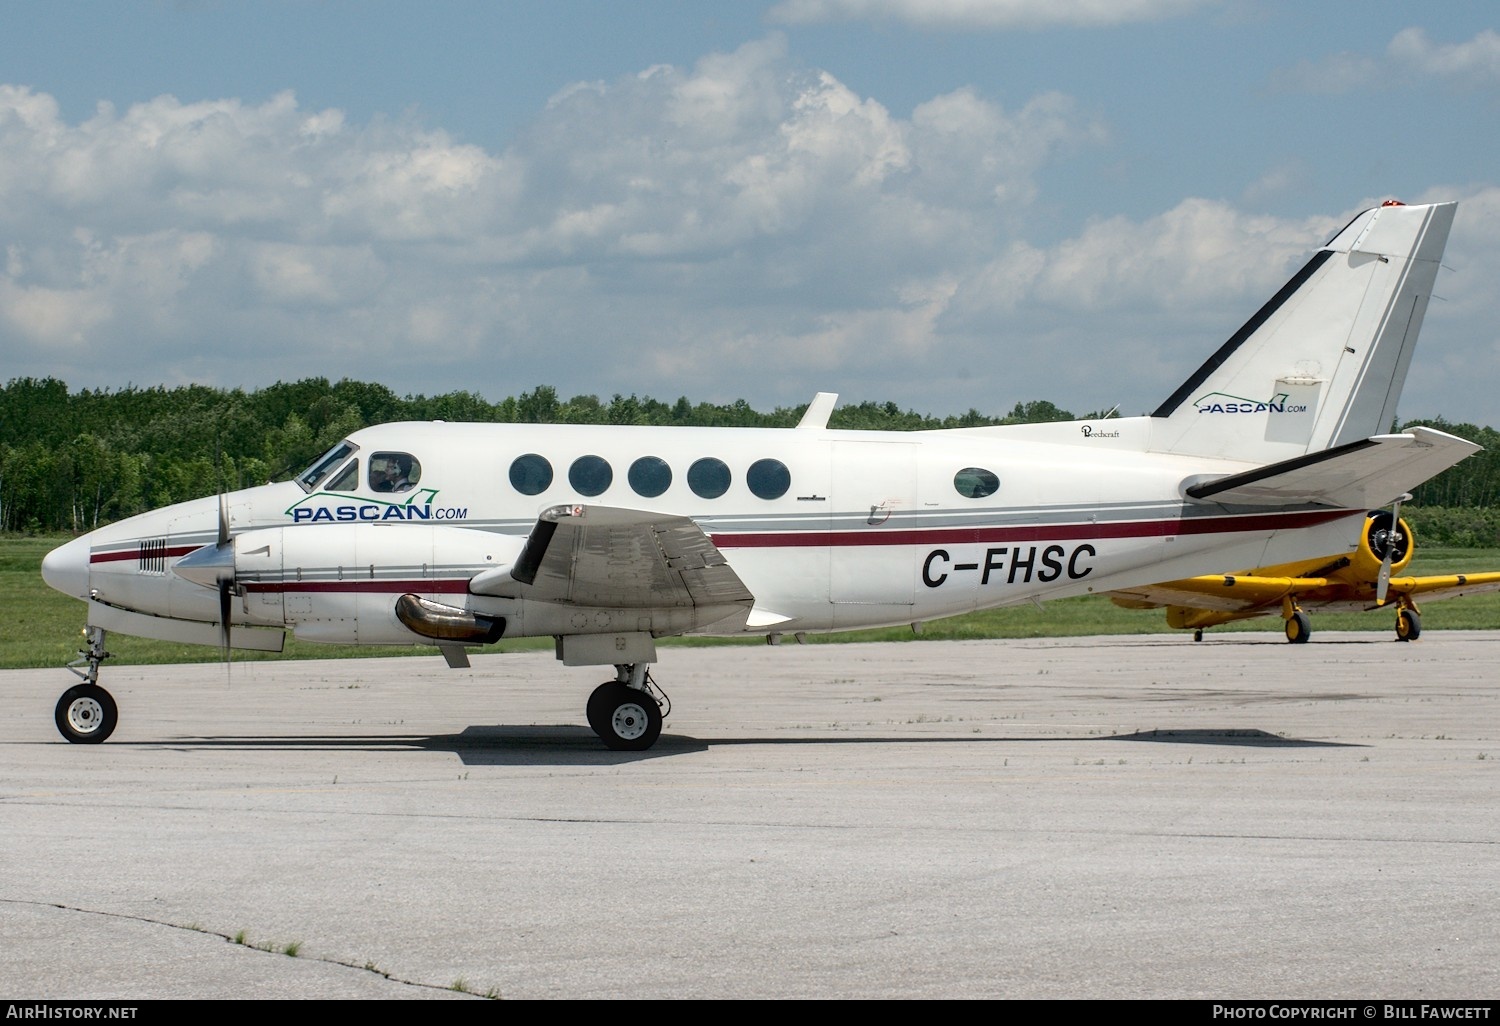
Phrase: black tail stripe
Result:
[1213,363]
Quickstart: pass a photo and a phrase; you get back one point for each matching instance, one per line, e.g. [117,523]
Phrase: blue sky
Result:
[944,203]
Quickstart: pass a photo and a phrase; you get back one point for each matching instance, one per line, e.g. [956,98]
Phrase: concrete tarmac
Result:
[1124,817]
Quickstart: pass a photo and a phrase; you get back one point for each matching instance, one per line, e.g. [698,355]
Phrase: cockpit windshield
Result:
[327,463]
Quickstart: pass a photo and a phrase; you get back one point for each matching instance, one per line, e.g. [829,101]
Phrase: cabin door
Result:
[873,494]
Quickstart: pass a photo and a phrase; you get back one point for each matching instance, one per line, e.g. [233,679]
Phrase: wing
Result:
[1365,474]
[1244,593]
[617,558]
[1224,593]
[1444,586]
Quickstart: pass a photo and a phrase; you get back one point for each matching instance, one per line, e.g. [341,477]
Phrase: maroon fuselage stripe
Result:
[832,539]
[1034,532]
[448,587]
[135,553]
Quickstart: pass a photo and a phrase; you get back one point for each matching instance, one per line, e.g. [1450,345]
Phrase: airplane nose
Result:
[66,568]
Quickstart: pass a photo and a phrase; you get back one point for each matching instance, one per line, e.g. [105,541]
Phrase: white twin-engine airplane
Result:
[607,538]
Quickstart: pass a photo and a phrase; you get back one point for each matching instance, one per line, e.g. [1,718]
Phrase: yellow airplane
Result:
[1361,580]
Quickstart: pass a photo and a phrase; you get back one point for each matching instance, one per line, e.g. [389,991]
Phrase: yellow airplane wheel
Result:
[1298,627]
[1408,625]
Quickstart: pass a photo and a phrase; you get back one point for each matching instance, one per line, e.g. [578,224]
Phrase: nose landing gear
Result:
[86,714]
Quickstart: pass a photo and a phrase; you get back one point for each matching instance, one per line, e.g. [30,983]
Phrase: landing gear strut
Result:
[625,712]
[86,714]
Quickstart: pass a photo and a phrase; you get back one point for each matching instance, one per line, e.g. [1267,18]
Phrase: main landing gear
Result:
[86,714]
[626,712]
[1298,626]
[1408,624]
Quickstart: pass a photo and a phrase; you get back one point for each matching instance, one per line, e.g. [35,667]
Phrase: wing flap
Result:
[1364,474]
[603,556]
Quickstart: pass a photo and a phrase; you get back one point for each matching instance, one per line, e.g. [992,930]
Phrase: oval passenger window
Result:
[975,482]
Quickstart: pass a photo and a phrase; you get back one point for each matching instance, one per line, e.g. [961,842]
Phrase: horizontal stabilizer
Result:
[1360,475]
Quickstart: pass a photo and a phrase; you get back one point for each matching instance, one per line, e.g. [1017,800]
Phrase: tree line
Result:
[71,461]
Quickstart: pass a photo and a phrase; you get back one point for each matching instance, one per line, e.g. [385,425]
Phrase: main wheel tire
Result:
[594,710]
[629,718]
[86,714]
[1408,625]
[1298,628]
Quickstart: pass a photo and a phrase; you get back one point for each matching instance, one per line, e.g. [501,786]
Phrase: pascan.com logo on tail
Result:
[1221,402]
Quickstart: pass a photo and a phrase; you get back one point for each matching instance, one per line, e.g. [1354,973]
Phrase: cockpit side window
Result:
[346,479]
[394,472]
[314,475]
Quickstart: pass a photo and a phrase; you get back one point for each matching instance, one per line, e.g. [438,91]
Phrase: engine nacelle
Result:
[1374,541]
[342,582]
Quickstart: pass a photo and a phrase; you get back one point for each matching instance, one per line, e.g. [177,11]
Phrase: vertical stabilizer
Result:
[1323,362]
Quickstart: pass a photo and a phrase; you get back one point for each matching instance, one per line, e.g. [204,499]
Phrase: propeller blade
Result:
[225,580]
[212,566]
[226,594]
[1393,536]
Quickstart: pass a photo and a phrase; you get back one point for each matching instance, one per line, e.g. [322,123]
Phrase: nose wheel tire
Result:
[86,714]
[626,719]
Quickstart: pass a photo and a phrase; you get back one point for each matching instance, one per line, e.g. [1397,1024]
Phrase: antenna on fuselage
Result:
[815,418]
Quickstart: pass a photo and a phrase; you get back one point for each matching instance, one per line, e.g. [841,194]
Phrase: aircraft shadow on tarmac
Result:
[1238,737]
[1239,638]
[567,745]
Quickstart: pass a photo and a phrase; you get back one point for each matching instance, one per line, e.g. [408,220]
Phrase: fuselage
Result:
[827,529]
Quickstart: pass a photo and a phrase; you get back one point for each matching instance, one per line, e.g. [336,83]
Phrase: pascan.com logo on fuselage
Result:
[333,508]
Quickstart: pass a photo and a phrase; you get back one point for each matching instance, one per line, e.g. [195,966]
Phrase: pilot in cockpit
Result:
[392,472]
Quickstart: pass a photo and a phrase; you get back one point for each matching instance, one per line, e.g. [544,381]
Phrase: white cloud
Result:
[50,318]
[984,14]
[1478,59]
[746,199]
[1284,179]
[745,227]
[1410,55]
